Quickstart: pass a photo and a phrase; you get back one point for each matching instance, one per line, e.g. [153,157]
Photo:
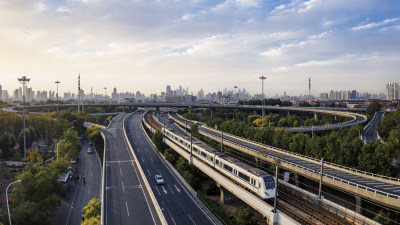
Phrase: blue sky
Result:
[145,45]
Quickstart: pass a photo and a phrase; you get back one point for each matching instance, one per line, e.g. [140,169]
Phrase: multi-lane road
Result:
[70,212]
[175,201]
[126,200]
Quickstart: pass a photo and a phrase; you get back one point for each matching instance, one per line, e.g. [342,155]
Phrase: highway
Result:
[70,212]
[354,179]
[126,199]
[176,202]
[369,132]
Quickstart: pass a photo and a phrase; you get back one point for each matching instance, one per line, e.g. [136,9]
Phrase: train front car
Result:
[268,189]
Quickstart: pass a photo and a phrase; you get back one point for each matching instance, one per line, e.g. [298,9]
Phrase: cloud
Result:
[375,24]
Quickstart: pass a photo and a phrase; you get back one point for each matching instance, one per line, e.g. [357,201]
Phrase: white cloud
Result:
[374,24]
[63,9]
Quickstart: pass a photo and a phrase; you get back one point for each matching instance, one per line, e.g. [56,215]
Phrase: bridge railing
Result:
[300,155]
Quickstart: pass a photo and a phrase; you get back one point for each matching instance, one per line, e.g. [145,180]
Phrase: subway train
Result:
[253,179]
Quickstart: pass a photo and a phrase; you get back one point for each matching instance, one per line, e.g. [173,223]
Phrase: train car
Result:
[254,180]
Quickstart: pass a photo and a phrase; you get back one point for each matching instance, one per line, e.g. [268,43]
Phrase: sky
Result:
[201,44]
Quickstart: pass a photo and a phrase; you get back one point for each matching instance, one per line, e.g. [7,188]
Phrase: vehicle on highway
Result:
[171,120]
[89,151]
[159,179]
[162,114]
[65,178]
[90,143]
[74,161]
[253,179]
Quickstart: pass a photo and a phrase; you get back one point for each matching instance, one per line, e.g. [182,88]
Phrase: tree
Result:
[244,216]
[157,139]
[91,221]
[93,133]
[92,210]
[37,196]
[170,155]
[34,155]
[108,120]
[194,129]
[5,144]
[373,107]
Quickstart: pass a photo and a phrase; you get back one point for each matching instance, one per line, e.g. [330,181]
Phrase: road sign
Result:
[286,177]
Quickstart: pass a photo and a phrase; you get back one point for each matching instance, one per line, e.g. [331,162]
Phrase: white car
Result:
[89,151]
[159,179]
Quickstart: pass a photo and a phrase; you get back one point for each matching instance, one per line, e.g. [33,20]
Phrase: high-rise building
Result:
[324,96]
[392,91]
[168,90]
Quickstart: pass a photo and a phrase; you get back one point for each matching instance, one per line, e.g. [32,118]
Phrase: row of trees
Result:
[36,198]
[47,128]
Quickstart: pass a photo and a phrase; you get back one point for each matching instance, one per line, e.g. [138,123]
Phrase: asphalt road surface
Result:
[79,194]
[370,133]
[175,201]
[126,198]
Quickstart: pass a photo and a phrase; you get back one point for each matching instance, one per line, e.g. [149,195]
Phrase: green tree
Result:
[157,139]
[37,196]
[382,217]
[170,155]
[244,216]
[94,135]
[194,129]
[34,155]
[108,120]
[5,144]
[373,107]
[92,210]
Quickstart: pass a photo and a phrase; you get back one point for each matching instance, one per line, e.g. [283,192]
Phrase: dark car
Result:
[90,143]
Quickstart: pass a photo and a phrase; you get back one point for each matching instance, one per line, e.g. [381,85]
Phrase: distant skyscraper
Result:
[168,90]
[392,91]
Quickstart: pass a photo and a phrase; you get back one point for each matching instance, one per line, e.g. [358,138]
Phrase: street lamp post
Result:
[263,98]
[8,207]
[105,95]
[57,82]
[24,80]
[62,141]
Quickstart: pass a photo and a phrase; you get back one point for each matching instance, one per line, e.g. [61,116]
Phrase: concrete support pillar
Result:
[190,109]
[296,179]
[158,109]
[358,204]
[226,196]
[315,116]
[273,218]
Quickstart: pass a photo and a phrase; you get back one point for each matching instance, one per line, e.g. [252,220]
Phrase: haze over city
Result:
[209,45]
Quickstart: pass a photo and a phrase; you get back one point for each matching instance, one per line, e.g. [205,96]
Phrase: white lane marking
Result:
[123,186]
[152,159]
[191,219]
[142,159]
[158,190]
[171,216]
[127,210]
[91,174]
[159,171]
[165,191]
[170,189]
[148,172]
[179,190]
[120,171]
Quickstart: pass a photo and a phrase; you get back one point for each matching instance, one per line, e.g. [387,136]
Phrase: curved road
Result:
[370,133]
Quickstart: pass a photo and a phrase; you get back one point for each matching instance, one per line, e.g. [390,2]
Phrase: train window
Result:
[194,149]
[211,158]
[228,167]
[269,182]
[203,154]
[244,176]
[217,161]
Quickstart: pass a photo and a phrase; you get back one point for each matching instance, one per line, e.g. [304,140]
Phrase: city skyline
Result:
[207,45]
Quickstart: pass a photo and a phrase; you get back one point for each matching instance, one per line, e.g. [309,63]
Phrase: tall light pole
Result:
[8,207]
[263,98]
[79,93]
[105,95]
[24,80]
[309,89]
[57,82]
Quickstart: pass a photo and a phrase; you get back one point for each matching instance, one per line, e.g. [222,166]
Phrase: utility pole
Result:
[320,181]
[57,82]
[79,92]
[263,97]
[309,89]
[24,81]
[222,141]
[276,188]
[105,95]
